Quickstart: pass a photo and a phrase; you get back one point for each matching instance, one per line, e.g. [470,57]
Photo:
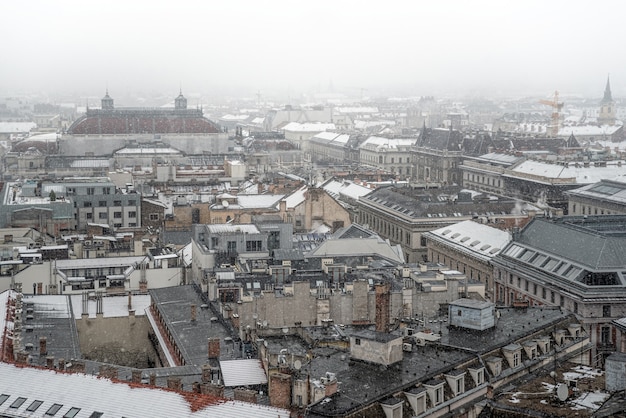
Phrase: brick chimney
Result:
[211,389]
[175,383]
[110,372]
[21,357]
[43,347]
[61,364]
[214,348]
[193,312]
[135,376]
[245,395]
[280,390]
[50,362]
[152,380]
[382,307]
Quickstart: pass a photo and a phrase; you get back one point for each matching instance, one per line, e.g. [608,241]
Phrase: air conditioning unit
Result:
[407,347]
[324,381]
[420,341]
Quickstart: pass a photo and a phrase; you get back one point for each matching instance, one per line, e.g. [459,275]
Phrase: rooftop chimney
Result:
[193,312]
[43,349]
[382,307]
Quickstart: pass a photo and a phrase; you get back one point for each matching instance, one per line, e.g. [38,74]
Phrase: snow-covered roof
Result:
[357,246]
[243,372]
[472,237]
[297,197]
[112,306]
[46,137]
[147,151]
[331,137]
[378,143]
[499,158]
[308,127]
[16,127]
[578,172]
[87,395]
[231,229]
[346,189]
[90,163]
[588,130]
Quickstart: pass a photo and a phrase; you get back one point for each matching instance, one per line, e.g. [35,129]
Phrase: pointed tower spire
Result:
[607,91]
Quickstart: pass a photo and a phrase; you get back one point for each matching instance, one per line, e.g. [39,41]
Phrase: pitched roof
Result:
[91,394]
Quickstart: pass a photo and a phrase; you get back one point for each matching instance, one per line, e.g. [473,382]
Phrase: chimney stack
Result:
[43,348]
[61,364]
[214,348]
[50,362]
[175,383]
[193,312]
[382,307]
[152,379]
[135,376]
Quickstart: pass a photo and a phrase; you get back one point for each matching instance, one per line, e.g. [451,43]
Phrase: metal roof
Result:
[243,372]
[91,395]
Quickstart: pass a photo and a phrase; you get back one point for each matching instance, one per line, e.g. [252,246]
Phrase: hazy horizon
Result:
[288,49]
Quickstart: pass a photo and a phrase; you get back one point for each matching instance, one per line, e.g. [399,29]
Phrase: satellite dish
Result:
[562,392]
[297,364]
[285,330]
[225,203]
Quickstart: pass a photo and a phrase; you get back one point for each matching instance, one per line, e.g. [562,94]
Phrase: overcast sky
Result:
[289,47]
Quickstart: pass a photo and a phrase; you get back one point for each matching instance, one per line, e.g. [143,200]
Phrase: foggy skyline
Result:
[288,48]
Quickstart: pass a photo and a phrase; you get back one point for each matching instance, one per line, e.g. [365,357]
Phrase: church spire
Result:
[608,98]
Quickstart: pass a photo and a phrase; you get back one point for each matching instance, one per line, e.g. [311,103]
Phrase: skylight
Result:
[54,409]
[17,403]
[3,398]
[34,406]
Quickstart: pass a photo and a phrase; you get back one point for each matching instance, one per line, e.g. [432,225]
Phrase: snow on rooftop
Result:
[580,174]
[308,127]
[112,306]
[474,237]
[90,394]
[588,130]
[243,372]
[296,198]
[378,143]
[231,229]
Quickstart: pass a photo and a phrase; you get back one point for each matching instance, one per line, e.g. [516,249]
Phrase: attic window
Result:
[71,413]
[96,414]
[465,239]
[494,250]
[3,398]
[446,232]
[456,234]
[34,406]
[474,243]
[54,409]
[17,403]
[484,247]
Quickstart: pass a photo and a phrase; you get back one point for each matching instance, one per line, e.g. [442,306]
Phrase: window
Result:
[516,358]
[231,246]
[253,246]
[117,214]
[543,292]
[96,414]
[71,413]
[86,204]
[91,191]
[54,409]
[534,288]
[117,225]
[106,190]
[606,311]
[423,241]
[17,403]
[117,203]
[154,216]
[575,307]
[552,297]
[439,395]
[132,202]
[132,214]
[102,203]
[34,406]
[102,215]
[132,224]
[459,313]
[89,215]
[357,341]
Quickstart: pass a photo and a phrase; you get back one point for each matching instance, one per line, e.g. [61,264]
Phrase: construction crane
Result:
[556,113]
